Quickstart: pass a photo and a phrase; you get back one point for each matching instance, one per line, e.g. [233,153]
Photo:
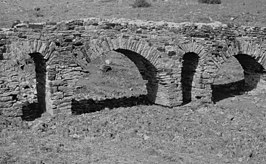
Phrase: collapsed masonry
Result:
[40,63]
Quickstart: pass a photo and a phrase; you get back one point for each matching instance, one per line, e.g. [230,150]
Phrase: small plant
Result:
[210,1]
[140,3]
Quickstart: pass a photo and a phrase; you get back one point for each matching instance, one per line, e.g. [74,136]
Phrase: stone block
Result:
[5,99]
[12,112]
[58,82]
[53,90]
[6,104]
[58,95]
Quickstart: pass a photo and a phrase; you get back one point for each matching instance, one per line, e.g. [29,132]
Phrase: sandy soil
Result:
[230,131]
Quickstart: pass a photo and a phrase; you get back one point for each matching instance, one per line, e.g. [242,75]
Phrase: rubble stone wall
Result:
[40,63]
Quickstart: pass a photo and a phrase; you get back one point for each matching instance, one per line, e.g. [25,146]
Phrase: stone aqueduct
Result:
[41,62]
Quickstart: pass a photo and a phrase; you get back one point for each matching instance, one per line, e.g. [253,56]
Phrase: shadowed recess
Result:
[147,71]
[252,72]
[190,63]
[90,105]
[2,51]
[34,110]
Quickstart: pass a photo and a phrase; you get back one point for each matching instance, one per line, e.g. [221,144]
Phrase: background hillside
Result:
[248,12]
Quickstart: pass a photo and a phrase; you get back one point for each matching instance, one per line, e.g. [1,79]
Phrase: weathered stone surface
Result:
[175,60]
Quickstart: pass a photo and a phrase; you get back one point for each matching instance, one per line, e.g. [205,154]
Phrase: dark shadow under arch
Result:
[252,72]
[148,72]
[90,105]
[190,63]
[30,111]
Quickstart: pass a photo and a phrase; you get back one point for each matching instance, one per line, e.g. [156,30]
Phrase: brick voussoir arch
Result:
[37,46]
[158,91]
[139,46]
[193,47]
[193,86]
[243,47]
[41,52]
[45,48]
[253,49]
[22,49]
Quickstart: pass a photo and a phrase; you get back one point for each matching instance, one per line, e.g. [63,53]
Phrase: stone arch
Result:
[255,50]
[251,56]
[146,58]
[139,46]
[189,66]
[38,107]
[36,52]
[193,85]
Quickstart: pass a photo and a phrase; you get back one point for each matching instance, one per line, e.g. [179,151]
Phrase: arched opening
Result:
[238,75]
[252,70]
[189,66]
[129,80]
[34,110]
[147,71]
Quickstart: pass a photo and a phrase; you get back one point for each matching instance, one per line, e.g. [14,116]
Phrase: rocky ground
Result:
[230,131]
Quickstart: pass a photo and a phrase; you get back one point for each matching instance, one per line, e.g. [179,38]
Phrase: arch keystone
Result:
[105,46]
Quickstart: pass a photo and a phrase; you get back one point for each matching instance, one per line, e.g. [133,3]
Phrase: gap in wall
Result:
[239,74]
[189,65]
[131,81]
[34,110]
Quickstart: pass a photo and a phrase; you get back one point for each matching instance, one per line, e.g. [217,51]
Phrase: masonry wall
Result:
[62,75]
[182,60]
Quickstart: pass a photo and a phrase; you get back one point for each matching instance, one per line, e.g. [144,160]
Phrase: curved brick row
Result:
[40,63]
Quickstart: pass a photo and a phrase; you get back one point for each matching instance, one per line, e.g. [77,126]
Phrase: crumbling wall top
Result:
[190,29]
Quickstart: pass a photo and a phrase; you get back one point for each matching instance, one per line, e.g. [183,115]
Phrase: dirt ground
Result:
[232,130]
[248,12]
